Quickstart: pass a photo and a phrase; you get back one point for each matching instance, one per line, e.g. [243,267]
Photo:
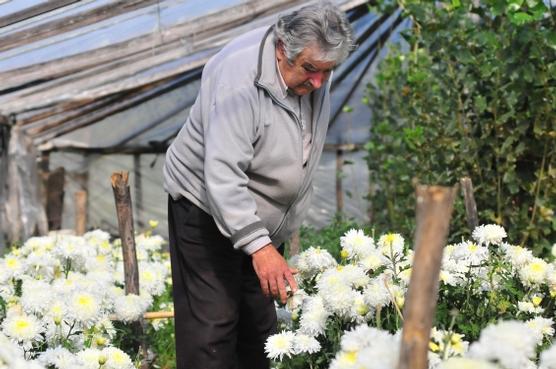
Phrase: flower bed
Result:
[495,307]
[62,301]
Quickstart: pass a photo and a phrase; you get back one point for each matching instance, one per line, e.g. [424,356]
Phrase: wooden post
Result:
[434,209]
[294,244]
[124,212]
[122,197]
[55,198]
[80,212]
[339,193]
[470,205]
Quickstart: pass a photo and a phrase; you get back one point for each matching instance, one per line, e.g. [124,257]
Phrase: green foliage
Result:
[327,238]
[474,96]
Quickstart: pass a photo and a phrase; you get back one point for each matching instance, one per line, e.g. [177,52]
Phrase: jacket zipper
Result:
[303,183]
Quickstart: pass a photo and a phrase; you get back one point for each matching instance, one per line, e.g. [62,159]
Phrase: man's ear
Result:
[281,49]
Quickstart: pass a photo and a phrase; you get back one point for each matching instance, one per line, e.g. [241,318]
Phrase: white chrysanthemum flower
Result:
[313,316]
[42,265]
[73,248]
[449,278]
[469,253]
[512,343]
[517,255]
[335,291]
[314,260]
[359,309]
[542,327]
[295,302]
[548,358]
[489,234]
[152,277]
[84,307]
[391,245]
[116,359]
[466,363]
[354,276]
[373,260]
[279,345]
[376,294]
[149,243]
[101,263]
[534,272]
[303,343]
[367,347]
[529,307]
[59,357]
[405,276]
[119,275]
[356,244]
[12,356]
[91,358]
[22,328]
[99,240]
[36,296]
[131,307]
[448,343]
[361,336]
[38,244]
[12,266]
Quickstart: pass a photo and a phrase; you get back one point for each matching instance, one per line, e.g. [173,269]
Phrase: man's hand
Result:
[273,271]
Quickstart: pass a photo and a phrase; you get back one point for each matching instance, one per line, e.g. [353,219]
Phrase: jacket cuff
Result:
[245,238]
[256,245]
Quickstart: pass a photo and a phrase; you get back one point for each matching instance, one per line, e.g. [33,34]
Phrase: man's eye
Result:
[309,69]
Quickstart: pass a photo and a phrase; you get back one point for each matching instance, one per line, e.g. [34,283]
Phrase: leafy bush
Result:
[475,95]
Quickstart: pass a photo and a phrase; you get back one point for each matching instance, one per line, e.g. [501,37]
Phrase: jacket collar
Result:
[267,75]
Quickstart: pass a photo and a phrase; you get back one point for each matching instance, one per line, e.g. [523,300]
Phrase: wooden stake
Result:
[434,209]
[470,205]
[80,212]
[124,212]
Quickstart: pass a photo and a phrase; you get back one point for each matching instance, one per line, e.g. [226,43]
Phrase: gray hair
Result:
[322,24]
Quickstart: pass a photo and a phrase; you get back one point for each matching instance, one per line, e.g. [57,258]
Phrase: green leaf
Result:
[521,18]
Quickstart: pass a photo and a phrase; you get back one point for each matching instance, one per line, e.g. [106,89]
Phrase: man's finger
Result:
[282,290]
[293,270]
[273,287]
[264,286]
[291,281]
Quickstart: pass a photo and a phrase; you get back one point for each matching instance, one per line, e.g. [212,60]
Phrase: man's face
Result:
[307,73]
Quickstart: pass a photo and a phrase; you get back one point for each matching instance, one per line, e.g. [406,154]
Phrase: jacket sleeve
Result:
[230,131]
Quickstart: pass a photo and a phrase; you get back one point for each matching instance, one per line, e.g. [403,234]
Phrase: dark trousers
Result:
[222,319]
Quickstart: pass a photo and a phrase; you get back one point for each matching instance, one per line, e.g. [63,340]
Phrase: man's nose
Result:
[317,79]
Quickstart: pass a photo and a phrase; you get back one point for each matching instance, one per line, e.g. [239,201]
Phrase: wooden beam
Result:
[62,25]
[33,11]
[434,209]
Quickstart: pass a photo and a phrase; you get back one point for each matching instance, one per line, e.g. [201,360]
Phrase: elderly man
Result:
[239,178]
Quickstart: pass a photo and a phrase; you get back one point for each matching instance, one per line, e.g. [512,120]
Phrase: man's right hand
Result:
[273,272]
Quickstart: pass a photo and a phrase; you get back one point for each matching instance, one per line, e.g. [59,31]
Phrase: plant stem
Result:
[537,191]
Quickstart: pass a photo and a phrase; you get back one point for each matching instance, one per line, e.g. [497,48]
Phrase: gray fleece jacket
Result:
[239,156]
